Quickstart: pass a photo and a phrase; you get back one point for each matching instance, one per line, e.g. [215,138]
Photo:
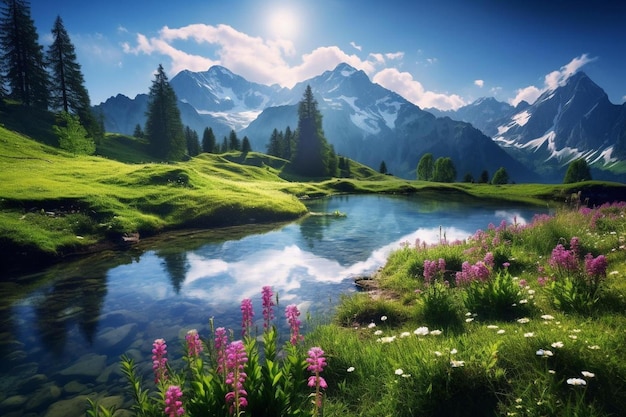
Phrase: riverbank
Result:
[54,205]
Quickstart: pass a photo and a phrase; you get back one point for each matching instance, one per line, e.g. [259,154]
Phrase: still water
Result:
[63,330]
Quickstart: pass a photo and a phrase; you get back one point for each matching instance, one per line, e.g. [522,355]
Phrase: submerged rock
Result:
[89,366]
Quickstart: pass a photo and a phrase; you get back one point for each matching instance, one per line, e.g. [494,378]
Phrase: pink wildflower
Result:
[247,314]
[595,267]
[292,313]
[221,340]
[574,245]
[194,345]
[236,357]
[173,405]
[268,303]
[159,361]
[563,259]
[316,362]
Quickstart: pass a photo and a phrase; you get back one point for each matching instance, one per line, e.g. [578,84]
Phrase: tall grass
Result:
[522,356]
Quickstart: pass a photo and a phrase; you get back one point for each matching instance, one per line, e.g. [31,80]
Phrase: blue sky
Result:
[441,53]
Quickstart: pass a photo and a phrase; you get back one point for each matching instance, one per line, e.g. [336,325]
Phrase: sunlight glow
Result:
[283,23]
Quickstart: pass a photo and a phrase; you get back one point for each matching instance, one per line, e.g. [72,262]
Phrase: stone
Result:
[43,397]
[74,387]
[32,383]
[89,366]
[13,402]
[65,408]
[116,336]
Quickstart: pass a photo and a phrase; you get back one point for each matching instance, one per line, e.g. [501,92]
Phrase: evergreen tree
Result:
[224,147]
[193,143]
[287,145]
[383,168]
[22,63]
[484,177]
[578,170]
[164,128]
[468,177]
[138,133]
[425,167]
[245,145]
[274,147]
[444,170]
[312,153]
[67,86]
[233,141]
[208,140]
[73,137]
[500,176]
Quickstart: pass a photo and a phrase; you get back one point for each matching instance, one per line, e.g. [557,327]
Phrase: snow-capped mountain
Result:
[370,124]
[574,120]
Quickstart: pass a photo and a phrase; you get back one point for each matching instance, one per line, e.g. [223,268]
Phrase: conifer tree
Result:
[224,147]
[208,140]
[22,62]
[138,133]
[383,168]
[67,85]
[274,146]
[193,142]
[287,144]
[312,153]
[233,141]
[245,145]
[164,128]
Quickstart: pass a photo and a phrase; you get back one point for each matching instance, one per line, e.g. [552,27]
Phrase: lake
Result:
[63,329]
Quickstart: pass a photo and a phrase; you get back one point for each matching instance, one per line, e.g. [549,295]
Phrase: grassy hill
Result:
[53,203]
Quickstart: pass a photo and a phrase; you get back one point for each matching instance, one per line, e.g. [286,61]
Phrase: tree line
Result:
[48,79]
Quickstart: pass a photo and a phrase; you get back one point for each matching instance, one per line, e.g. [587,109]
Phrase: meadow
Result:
[519,319]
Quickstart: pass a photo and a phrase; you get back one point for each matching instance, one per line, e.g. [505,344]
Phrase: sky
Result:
[435,53]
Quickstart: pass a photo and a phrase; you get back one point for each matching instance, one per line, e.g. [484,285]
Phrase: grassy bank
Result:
[53,203]
[526,329]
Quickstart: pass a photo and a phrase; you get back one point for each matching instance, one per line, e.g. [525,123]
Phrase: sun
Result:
[283,23]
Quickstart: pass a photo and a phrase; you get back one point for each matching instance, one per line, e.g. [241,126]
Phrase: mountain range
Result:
[371,124]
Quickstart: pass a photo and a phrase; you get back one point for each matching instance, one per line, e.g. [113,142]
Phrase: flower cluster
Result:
[247,314]
[236,357]
[563,259]
[221,341]
[480,271]
[432,268]
[595,267]
[316,362]
[159,361]
[292,313]
[194,345]
[173,404]
[268,304]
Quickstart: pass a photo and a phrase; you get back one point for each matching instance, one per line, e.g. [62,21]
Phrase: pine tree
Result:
[208,140]
[67,85]
[138,133]
[274,146]
[233,141]
[312,153]
[22,63]
[245,145]
[484,177]
[193,143]
[224,147]
[164,128]
[287,146]
[383,168]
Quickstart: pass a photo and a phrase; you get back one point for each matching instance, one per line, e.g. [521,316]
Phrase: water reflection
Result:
[92,311]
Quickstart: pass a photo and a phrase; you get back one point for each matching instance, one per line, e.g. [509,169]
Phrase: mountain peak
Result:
[345,69]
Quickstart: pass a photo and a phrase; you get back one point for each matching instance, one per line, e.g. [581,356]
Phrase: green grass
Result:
[487,364]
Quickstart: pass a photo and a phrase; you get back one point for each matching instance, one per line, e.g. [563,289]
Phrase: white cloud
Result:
[355,46]
[265,61]
[411,89]
[551,81]
[479,83]
[394,55]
